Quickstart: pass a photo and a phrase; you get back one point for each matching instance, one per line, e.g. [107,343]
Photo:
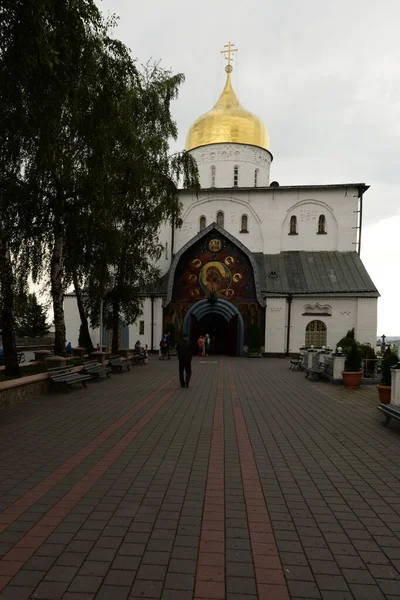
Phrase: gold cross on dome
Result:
[229,52]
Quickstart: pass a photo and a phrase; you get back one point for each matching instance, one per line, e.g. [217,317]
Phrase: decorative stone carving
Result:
[317,309]
[224,152]
[309,214]
[274,308]
[187,226]
[233,219]
[345,312]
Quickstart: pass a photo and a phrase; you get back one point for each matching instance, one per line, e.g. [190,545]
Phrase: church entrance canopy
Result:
[203,314]
[214,284]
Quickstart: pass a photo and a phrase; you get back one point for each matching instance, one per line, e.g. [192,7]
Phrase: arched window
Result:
[212,175]
[316,334]
[203,223]
[220,218]
[235,176]
[293,226]
[321,224]
[244,222]
[256,177]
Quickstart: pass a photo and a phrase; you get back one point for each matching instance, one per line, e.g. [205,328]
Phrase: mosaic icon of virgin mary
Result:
[215,277]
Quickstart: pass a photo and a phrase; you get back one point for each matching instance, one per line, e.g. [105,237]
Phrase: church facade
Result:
[253,255]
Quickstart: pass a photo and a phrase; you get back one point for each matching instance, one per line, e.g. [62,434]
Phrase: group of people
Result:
[204,345]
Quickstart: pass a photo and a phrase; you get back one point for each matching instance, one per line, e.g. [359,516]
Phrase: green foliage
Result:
[255,338]
[354,359]
[85,157]
[390,359]
[351,333]
[31,317]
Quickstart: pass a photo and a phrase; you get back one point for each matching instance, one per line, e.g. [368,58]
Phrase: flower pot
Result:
[352,379]
[384,392]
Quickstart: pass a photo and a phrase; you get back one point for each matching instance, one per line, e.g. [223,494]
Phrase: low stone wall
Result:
[25,388]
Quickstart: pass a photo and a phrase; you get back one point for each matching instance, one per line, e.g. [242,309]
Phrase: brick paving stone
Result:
[329,479]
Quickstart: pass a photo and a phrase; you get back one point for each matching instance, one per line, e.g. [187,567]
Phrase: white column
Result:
[395,391]
[338,366]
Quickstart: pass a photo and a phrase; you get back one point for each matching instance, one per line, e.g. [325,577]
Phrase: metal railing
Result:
[372,368]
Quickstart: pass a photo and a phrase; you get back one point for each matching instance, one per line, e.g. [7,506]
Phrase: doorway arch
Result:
[221,307]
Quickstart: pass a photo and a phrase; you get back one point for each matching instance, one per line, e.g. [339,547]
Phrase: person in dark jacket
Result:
[185,354]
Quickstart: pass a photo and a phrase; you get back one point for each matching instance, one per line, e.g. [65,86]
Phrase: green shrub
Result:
[390,359]
[354,359]
[255,339]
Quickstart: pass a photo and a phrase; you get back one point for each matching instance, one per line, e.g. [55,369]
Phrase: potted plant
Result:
[353,372]
[390,359]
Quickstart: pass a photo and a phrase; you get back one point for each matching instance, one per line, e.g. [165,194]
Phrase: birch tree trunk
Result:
[57,292]
[85,327]
[7,310]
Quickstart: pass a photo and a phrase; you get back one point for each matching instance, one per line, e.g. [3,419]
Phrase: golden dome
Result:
[228,122]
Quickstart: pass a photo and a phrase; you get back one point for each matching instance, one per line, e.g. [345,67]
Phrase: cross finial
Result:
[228,51]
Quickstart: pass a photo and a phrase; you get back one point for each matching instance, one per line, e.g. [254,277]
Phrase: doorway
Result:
[223,334]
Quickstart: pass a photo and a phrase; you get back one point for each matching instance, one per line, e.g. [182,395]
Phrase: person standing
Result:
[164,347]
[207,345]
[185,354]
[201,344]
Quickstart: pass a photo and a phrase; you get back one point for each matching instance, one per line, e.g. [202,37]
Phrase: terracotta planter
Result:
[384,392]
[352,379]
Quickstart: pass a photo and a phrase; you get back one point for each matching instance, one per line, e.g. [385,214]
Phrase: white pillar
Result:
[395,391]
[338,366]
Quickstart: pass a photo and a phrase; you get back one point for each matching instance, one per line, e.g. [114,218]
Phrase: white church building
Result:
[254,254]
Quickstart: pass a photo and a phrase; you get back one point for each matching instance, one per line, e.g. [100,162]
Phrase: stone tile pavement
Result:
[252,483]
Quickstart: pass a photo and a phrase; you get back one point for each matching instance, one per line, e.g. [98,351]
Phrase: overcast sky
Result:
[323,76]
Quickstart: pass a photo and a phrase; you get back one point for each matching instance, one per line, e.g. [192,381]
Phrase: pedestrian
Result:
[207,344]
[201,344]
[69,349]
[164,347]
[185,352]
[169,345]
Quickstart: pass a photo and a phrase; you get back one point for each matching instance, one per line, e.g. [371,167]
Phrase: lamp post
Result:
[383,344]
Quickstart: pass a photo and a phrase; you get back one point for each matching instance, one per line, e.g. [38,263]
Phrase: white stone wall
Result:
[73,323]
[268,213]
[346,313]
[224,158]
[367,320]
[275,325]
[134,330]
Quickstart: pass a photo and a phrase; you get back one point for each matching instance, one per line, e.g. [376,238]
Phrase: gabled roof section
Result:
[315,273]
[231,238]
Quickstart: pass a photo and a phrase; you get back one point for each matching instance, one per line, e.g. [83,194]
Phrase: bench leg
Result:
[387,420]
[84,383]
[307,374]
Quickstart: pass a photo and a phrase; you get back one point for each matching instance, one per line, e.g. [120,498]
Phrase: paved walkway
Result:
[252,483]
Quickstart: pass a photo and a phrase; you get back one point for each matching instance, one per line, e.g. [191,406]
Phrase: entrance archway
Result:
[205,313]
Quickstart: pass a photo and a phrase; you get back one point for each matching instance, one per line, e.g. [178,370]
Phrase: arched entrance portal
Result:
[220,319]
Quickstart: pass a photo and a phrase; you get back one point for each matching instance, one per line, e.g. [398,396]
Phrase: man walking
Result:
[185,353]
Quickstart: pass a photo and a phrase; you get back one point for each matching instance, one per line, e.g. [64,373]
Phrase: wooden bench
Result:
[391,411]
[65,377]
[96,370]
[20,358]
[118,365]
[139,358]
[316,372]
